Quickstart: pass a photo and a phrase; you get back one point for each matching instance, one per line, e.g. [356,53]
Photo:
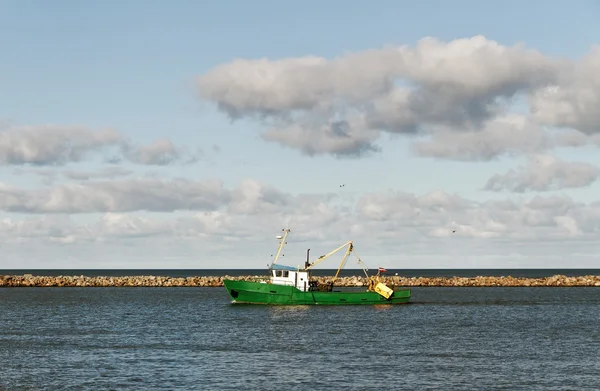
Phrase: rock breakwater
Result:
[28,280]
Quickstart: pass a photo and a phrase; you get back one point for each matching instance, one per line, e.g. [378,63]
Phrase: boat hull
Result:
[248,292]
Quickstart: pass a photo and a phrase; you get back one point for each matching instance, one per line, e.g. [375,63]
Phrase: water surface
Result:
[193,338]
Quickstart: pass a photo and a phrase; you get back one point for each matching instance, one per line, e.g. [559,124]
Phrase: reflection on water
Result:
[193,338]
[384,307]
[288,308]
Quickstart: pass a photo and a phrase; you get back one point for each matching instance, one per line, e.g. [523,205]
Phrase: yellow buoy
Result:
[383,290]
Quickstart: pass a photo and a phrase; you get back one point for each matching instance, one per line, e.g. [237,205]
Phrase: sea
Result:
[193,338]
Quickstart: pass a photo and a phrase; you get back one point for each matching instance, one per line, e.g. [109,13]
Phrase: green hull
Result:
[263,293]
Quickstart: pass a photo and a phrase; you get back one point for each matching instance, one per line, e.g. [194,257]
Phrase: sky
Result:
[185,134]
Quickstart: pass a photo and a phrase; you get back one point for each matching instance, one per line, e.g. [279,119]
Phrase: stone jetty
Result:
[28,280]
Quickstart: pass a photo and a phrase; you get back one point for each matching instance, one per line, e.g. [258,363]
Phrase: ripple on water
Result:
[192,338]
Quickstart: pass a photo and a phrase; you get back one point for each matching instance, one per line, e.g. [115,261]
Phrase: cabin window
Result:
[278,273]
[285,273]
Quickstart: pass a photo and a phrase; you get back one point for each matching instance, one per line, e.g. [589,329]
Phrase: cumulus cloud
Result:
[435,229]
[33,229]
[339,138]
[161,152]
[143,194]
[50,175]
[115,225]
[54,145]
[256,212]
[459,85]
[544,173]
[509,135]
[107,172]
[460,94]
[466,69]
[116,196]
[439,214]
[251,209]
[573,100]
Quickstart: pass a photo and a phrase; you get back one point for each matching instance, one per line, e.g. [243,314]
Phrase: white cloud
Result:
[116,196]
[107,172]
[459,93]
[544,173]
[340,138]
[465,68]
[253,210]
[161,152]
[459,85]
[574,99]
[510,135]
[50,175]
[54,145]
[382,224]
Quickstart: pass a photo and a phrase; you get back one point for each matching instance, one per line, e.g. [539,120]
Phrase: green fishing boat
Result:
[288,285]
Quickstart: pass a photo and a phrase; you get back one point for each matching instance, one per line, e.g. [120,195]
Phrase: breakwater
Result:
[28,280]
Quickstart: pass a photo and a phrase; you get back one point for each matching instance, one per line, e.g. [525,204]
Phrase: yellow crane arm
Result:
[350,248]
[323,257]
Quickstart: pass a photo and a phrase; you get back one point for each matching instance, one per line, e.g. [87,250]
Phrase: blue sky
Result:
[133,66]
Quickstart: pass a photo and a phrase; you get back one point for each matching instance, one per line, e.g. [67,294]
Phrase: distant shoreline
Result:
[29,280]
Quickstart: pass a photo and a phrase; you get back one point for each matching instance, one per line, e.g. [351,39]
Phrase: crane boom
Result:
[350,248]
[323,257]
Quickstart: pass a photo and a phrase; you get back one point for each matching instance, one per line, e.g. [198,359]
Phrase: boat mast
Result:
[281,244]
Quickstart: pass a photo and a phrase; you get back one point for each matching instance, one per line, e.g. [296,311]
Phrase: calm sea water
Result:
[194,339]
